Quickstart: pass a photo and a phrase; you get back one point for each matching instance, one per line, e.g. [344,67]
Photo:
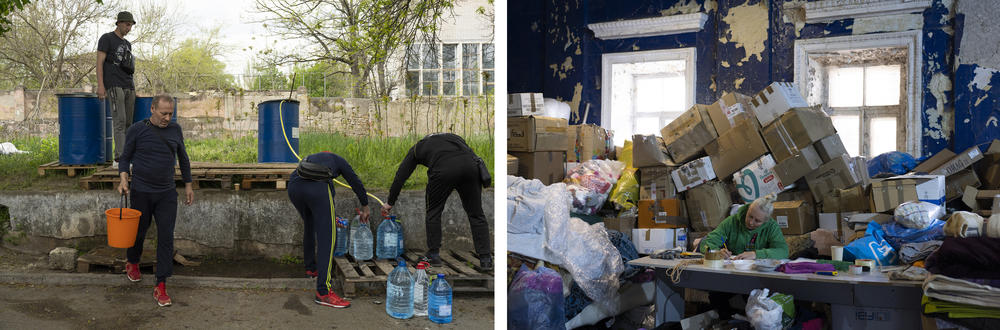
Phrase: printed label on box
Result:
[782,221]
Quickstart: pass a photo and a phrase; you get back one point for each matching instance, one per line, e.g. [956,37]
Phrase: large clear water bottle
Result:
[387,239]
[343,237]
[399,292]
[361,241]
[401,248]
[439,301]
[421,286]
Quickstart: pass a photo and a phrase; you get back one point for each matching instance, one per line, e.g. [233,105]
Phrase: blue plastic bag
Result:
[897,234]
[891,164]
[535,300]
[872,246]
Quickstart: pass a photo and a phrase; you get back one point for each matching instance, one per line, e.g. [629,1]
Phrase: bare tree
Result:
[361,34]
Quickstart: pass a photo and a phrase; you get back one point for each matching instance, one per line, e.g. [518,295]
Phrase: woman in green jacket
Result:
[748,234]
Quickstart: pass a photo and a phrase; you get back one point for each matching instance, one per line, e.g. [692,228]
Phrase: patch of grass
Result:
[288,260]
[4,220]
[21,170]
[223,150]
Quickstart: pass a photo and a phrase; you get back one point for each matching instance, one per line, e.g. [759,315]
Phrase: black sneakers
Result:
[486,263]
[433,259]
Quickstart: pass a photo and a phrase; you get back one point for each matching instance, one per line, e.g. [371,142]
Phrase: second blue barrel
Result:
[272,146]
[109,133]
[142,106]
[81,129]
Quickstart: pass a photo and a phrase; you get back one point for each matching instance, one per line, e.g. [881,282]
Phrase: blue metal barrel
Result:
[81,129]
[142,106]
[271,144]
[109,133]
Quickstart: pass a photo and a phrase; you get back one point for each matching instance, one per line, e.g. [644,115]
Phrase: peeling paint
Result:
[981,34]
[686,7]
[892,23]
[725,64]
[739,82]
[556,72]
[635,47]
[951,13]
[985,96]
[575,102]
[711,5]
[748,26]
[982,79]
[938,124]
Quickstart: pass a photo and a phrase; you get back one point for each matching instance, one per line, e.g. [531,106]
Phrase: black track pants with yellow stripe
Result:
[314,201]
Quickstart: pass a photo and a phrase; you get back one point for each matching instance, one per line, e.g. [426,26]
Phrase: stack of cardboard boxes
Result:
[539,147]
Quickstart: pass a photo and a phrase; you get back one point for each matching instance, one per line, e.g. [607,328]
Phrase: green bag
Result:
[787,308]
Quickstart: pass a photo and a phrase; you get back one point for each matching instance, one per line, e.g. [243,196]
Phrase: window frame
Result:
[688,55]
[866,113]
[459,70]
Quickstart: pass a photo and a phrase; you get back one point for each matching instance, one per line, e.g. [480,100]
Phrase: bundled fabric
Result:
[891,164]
[805,267]
[627,251]
[591,182]
[970,257]
[897,234]
[917,215]
[530,205]
[964,224]
[908,273]
[911,252]
[535,300]
[956,310]
[960,291]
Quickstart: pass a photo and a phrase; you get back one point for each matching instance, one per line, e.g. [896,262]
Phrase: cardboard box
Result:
[799,165]
[934,162]
[621,224]
[707,205]
[529,134]
[770,103]
[990,172]
[656,182]
[853,199]
[662,213]
[649,150]
[832,176]
[729,110]
[693,173]
[861,167]
[735,149]
[525,104]
[511,165]
[830,148]
[980,199]
[889,193]
[686,136]
[794,217]
[586,142]
[649,240]
[955,184]
[837,223]
[959,162]
[796,129]
[546,166]
[757,180]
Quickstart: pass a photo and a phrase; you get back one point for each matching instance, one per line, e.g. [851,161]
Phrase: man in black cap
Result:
[451,166]
[115,67]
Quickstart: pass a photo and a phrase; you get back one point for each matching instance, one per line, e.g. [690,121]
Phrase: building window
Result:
[866,107]
[450,69]
[645,91]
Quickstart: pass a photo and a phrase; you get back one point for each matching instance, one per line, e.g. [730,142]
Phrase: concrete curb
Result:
[113,280]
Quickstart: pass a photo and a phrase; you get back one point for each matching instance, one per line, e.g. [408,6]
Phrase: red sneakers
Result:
[312,273]
[132,272]
[332,300]
[160,293]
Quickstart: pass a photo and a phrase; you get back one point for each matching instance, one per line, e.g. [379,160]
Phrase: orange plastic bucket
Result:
[123,225]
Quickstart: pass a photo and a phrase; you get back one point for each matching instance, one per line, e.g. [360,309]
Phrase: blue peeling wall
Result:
[744,46]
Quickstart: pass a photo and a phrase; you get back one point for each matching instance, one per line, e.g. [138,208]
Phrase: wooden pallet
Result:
[111,257]
[70,169]
[210,175]
[371,275]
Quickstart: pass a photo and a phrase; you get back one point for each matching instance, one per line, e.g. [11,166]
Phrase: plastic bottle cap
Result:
[402,263]
[440,275]
[421,265]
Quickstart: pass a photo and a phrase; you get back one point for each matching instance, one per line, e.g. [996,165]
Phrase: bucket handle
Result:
[122,204]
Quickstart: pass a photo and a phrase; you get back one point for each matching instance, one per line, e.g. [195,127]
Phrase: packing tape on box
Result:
[865,262]
[785,136]
[856,270]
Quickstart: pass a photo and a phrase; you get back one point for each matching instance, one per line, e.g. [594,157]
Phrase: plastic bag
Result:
[764,313]
[590,182]
[535,300]
[872,246]
[964,224]
[626,190]
[917,215]
[587,253]
[897,234]
[891,164]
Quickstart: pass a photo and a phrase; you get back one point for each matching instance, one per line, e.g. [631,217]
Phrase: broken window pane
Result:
[849,129]
[846,86]
[882,85]
[883,135]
